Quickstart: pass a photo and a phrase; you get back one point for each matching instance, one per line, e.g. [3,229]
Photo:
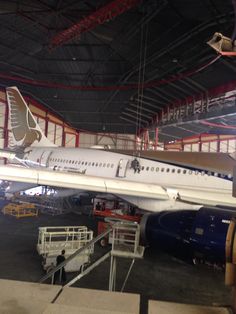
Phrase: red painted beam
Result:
[218,125]
[228,53]
[102,15]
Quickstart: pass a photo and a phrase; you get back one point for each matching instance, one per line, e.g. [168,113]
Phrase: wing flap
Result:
[207,198]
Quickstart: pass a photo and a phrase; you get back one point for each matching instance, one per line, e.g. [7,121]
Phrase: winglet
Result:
[25,129]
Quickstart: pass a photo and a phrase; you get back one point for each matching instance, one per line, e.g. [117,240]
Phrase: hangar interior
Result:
[121,74]
[126,68]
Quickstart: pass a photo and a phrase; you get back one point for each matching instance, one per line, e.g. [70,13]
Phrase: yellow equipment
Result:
[20,210]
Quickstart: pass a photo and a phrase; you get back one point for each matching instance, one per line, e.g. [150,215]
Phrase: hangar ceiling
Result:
[121,72]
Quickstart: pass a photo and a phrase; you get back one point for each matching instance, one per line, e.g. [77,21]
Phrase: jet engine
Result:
[189,234]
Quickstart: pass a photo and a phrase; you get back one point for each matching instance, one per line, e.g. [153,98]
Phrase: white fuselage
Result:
[190,185]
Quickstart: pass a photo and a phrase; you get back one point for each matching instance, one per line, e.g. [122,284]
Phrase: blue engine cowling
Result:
[189,233]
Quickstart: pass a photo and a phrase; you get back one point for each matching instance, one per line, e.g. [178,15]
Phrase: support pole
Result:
[112,278]
[156,138]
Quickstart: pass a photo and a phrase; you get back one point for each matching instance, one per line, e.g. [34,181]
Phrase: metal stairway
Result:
[124,238]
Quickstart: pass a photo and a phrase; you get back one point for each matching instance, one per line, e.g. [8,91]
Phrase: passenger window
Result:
[173,170]
[86,163]
[157,169]
[73,161]
[100,165]
[96,164]
[82,162]
[89,164]
[162,169]
[93,164]
[190,172]
[179,171]
[152,169]
[104,165]
[184,171]
[142,167]
[108,165]
[112,165]
[147,168]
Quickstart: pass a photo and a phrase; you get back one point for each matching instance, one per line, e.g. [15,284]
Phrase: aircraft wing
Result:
[82,182]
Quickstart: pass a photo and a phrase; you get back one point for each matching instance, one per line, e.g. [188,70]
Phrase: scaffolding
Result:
[125,239]
[20,210]
[52,240]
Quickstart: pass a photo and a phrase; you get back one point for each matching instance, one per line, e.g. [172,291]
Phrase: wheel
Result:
[103,242]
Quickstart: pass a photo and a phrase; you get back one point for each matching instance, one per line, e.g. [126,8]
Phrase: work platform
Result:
[20,210]
[52,240]
[24,297]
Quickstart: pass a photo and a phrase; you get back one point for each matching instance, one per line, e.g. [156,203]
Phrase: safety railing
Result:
[83,249]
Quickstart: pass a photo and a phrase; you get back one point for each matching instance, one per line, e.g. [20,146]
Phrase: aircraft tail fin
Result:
[25,129]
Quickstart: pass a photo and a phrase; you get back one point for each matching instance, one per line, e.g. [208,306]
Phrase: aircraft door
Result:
[43,160]
[122,167]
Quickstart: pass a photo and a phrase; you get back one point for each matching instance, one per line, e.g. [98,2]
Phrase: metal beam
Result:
[141,97]
[145,120]
[190,86]
[102,15]
[147,103]
[129,120]
[152,99]
[143,108]
[158,92]
[138,113]
[200,86]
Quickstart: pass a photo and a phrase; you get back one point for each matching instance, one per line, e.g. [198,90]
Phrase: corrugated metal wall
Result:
[59,132]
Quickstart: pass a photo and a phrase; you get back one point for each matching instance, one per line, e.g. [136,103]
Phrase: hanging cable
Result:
[138,117]
[141,77]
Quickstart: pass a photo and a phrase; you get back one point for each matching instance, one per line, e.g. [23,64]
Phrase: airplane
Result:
[150,180]
[172,186]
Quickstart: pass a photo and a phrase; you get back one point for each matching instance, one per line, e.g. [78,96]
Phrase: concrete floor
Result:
[158,276]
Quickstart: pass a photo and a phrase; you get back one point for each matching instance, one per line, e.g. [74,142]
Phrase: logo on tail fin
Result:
[26,131]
